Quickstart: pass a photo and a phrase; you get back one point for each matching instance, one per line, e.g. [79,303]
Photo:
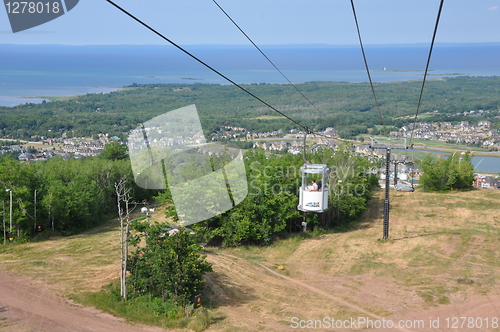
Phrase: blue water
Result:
[55,70]
[486,164]
[490,164]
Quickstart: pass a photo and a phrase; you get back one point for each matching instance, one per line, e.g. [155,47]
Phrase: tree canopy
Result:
[71,195]
[455,172]
[166,263]
[347,106]
[115,150]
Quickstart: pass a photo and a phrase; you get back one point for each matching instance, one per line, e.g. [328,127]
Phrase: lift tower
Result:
[387,144]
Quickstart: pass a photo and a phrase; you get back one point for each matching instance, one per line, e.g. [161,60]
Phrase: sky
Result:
[267,22]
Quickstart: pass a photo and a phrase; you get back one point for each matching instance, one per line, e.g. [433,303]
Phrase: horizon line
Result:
[312,45]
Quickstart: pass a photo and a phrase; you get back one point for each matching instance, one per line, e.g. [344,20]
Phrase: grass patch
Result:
[422,144]
[422,256]
[280,249]
[434,296]
[465,281]
[40,263]
[68,264]
[146,310]
[266,117]
[366,263]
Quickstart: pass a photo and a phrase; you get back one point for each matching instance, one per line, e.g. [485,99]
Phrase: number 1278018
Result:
[22,7]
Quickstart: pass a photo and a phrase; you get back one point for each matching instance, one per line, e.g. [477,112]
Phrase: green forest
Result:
[68,196]
[60,196]
[347,106]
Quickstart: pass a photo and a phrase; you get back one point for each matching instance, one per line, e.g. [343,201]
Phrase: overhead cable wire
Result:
[265,56]
[366,62]
[206,65]
[307,131]
[427,68]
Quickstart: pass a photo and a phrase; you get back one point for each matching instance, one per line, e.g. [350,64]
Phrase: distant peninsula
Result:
[400,70]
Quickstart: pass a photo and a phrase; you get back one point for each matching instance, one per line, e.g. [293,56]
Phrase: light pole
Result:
[35,214]
[459,159]
[4,230]
[338,204]
[453,155]
[10,229]
[147,212]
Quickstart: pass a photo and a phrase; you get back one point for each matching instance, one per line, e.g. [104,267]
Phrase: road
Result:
[28,306]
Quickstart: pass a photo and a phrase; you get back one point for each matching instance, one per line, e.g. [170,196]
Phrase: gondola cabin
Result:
[313,194]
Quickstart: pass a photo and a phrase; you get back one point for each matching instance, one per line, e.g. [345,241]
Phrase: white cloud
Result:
[493,8]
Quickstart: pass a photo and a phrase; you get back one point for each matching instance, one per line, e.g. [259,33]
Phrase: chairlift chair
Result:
[313,201]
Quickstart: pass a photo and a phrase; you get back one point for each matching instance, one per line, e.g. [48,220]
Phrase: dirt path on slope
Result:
[255,296]
[352,275]
[29,306]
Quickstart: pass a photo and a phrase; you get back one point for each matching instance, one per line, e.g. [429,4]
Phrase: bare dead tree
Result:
[123,198]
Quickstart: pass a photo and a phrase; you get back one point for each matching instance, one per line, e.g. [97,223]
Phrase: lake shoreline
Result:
[7,101]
